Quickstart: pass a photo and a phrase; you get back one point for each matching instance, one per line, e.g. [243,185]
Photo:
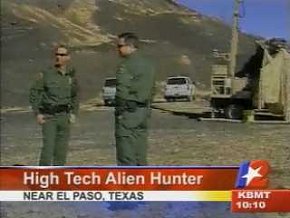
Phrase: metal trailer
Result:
[231,96]
[268,96]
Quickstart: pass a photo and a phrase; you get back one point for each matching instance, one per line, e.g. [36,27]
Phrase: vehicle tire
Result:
[189,98]
[234,111]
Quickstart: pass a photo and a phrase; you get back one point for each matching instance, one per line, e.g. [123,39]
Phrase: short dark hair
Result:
[129,39]
[61,45]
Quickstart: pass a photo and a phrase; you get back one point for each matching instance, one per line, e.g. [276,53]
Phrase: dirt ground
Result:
[174,140]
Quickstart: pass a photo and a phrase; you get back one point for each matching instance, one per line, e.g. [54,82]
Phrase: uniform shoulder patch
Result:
[72,72]
[39,76]
[121,69]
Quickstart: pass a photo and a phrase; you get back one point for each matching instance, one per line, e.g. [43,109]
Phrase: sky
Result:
[266,18]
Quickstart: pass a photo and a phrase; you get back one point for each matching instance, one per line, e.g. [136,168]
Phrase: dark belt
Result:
[142,104]
[138,104]
[50,109]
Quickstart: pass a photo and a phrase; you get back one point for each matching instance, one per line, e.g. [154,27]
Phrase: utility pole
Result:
[235,39]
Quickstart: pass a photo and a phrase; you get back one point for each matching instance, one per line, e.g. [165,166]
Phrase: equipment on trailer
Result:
[263,86]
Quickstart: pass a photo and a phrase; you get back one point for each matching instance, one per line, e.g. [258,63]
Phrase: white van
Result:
[109,91]
[179,87]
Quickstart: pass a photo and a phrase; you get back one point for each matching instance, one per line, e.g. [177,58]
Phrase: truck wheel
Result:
[106,103]
[234,111]
[189,98]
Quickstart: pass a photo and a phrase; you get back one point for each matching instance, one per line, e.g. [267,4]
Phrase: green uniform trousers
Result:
[131,133]
[55,131]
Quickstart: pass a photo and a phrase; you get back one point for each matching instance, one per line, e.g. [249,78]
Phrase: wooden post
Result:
[287,85]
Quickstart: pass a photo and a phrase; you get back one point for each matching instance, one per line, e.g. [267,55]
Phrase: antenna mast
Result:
[235,39]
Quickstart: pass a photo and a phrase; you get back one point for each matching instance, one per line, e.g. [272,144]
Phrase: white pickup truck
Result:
[179,87]
[109,91]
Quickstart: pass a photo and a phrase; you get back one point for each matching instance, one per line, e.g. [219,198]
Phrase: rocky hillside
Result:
[180,40]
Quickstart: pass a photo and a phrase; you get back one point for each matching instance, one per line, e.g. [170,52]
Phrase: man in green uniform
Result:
[134,90]
[54,100]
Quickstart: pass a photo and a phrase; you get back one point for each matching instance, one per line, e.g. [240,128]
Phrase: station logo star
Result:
[252,173]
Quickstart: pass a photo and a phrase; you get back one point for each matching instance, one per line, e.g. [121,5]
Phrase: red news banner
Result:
[117,184]
[233,184]
[101,178]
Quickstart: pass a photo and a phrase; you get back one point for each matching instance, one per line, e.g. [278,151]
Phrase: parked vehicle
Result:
[263,89]
[179,87]
[109,91]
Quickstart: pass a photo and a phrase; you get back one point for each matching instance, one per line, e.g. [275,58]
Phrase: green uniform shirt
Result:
[135,79]
[54,88]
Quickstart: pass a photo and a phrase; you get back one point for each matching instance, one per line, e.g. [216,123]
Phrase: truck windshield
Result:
[176,81]
[110,83]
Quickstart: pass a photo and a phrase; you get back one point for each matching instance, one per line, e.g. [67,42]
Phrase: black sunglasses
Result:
[61,54]
[120,46]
